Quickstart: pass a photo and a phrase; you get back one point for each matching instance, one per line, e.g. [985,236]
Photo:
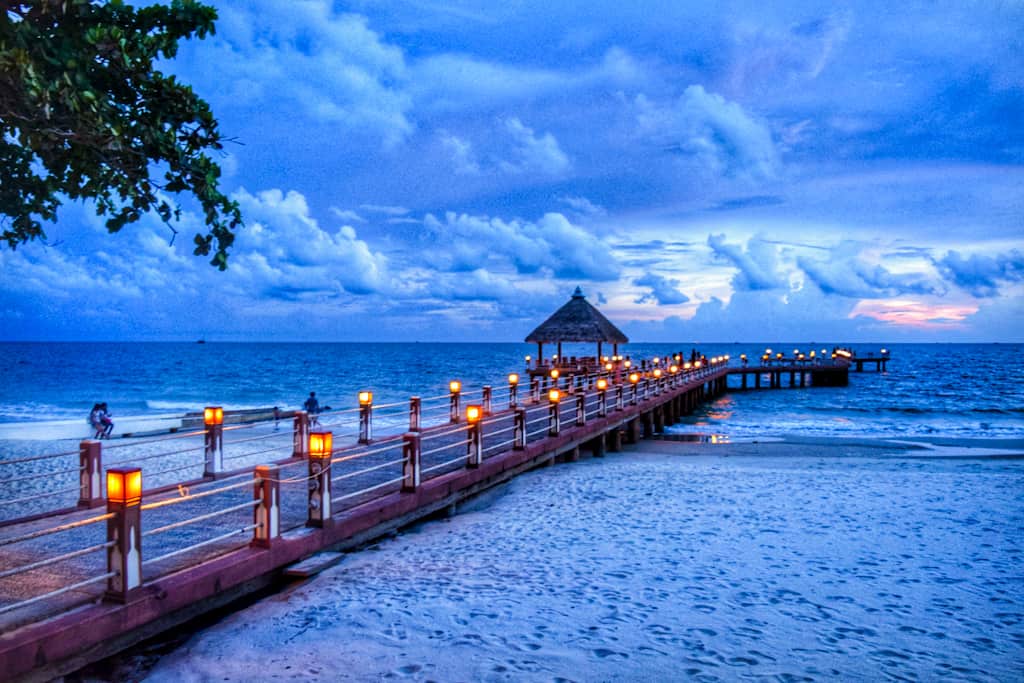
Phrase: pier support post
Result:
[615,440]
[633,431]
[475,443]
[411,464]
[90,462]
[581,409]
[757,381]
[602,401]
[647,422]
[267,513]
[124,532]
[659,420]
[214,442]
[619,402]
[321,450]
[792,379]
[535,390]
[300,435]
[513,393]
[554,416]
[415,413]
[453,405]
[365,419]
[486,400]
[597,447]
[743,381]
[519,430]
[803,378]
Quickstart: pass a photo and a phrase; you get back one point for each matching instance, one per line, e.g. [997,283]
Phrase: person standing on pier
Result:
[312,407]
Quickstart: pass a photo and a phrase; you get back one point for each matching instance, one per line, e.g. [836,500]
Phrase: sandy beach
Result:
[787,559]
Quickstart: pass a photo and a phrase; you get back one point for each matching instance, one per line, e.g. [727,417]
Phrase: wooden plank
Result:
[313,565]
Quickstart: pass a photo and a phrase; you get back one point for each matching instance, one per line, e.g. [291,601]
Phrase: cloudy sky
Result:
[452,169]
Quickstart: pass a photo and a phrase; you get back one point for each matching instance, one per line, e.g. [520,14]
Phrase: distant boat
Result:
[200,341]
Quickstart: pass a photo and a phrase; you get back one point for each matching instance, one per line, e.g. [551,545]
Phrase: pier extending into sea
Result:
[115,542]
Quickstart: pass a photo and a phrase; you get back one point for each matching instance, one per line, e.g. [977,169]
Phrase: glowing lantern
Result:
[657,373]
[124,486]
[608,367]
[474,413]
[554,373]
[213,416]
[455,386]
[321,444]
[634,377]
[554,395]
[673,369]
[602,384]
[365,398]
[513,379]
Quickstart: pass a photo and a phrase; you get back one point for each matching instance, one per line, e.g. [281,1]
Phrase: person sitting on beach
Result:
[108,424]
[312,407]
[96,421]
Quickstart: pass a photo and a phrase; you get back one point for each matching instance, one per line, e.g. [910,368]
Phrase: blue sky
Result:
[705,171]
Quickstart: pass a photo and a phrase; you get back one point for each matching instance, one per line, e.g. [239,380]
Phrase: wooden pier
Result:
[76,586]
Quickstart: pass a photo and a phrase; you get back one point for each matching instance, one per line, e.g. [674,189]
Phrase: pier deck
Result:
[208,538]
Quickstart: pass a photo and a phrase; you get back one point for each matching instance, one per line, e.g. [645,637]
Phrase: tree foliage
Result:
[84,114]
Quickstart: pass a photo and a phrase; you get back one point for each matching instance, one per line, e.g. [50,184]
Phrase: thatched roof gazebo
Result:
[576,321]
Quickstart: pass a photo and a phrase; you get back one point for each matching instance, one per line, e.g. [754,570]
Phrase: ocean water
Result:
[47,389]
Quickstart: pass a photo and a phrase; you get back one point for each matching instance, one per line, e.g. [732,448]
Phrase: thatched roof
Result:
[577,321]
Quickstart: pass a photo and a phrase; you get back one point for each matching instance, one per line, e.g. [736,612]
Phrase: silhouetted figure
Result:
[312,408]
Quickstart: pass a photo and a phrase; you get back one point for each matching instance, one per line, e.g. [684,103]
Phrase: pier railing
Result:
[213,490]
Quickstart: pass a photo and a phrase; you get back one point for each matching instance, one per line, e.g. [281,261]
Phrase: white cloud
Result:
[461,153]
[384,209]
[285,251]
[718,134]
[331,65]
[347,215]
[531,153]
[979,274]
[663,291]
[757,265]
[460,82]
[848,273]
[584,207]
[462,242]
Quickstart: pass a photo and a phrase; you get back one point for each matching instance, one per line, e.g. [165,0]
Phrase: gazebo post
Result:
[559,353]
[540,354]
[599,350]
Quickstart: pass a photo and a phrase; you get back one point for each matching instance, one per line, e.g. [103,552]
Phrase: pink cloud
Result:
[915,314]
